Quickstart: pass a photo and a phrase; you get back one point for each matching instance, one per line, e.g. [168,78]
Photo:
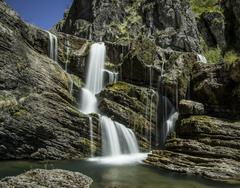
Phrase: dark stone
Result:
[231,12]
[187,107]
[48,178]
[212,28]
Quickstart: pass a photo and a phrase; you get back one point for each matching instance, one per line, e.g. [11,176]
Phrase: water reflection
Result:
[114,176]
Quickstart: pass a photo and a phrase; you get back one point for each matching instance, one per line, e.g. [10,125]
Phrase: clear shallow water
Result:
[135,175]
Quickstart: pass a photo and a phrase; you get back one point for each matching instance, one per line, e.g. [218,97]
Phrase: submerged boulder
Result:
[47,178]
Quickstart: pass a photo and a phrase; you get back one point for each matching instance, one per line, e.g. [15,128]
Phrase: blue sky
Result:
[43,13]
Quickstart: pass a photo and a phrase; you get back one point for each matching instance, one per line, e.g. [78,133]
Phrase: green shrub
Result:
[231,57]
[213,55]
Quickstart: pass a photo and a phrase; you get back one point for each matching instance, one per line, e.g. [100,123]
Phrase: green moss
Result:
[121,86]
[200,6]
[20,113]
[144,49]
[132,19]
[77,81]
[213,55]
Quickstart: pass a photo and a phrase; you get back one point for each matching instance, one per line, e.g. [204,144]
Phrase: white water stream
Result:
[117,140]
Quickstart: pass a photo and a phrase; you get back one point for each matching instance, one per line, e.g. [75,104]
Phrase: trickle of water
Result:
[53,54]
[91,135]
[67,44]
[112,76]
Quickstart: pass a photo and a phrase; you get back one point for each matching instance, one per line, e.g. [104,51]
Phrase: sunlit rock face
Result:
[171,24]
[38,117]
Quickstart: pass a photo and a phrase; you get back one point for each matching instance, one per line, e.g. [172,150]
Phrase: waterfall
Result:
[110,140]
[116,138]
[171,122]
[168,112]
[128,139]
[53,48]
[169,117]
[94,82]
[112,76]
[53,54]
[201,58]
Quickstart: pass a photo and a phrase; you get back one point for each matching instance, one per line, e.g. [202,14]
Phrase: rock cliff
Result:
[153,45]
[170,24]
[38,117]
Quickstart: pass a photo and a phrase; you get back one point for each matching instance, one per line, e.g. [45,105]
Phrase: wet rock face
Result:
[232,12]
[38,119]
[171,23]
[214,86]
[48,178]
[133,106]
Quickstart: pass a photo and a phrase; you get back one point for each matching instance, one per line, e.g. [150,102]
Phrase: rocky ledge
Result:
[47,178]
[204,146]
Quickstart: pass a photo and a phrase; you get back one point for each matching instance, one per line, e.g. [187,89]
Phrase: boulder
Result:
[47,178]
[187,107]
[234,71]
[213,86]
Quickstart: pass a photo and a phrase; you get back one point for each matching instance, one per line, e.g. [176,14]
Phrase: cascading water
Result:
[116,138]
[53,54]
[201,58]
[53,48]
[112,76]
[168,115]
[171,122]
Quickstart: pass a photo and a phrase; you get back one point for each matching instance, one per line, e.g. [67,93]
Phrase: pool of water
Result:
[113,175]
